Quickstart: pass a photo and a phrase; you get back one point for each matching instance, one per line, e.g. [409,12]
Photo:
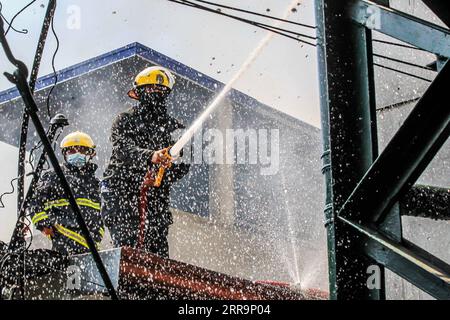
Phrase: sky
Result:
[284,75]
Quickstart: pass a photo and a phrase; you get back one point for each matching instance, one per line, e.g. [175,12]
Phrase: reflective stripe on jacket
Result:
[51,209]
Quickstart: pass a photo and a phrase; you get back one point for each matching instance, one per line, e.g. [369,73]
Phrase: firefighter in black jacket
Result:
[51,212]
[139,137]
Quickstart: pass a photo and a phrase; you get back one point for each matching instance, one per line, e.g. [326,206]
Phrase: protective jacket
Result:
[50,208]
[136,134]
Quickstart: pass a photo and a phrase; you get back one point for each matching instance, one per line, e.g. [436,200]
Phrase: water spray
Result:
[174,151]
[155,175]
[186,137]
[296,287]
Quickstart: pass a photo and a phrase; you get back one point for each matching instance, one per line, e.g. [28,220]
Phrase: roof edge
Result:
[138,49]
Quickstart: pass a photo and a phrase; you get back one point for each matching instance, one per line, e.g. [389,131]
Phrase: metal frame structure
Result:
[364,189]
[25,117]
[19,78]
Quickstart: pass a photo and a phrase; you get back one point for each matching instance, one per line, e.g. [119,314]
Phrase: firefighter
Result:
[139,137]
[51,212]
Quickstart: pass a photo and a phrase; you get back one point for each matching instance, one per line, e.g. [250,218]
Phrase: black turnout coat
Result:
[50,208]
[136,134]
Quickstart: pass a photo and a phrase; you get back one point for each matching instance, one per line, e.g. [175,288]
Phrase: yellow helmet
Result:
[152,75]
[77,139]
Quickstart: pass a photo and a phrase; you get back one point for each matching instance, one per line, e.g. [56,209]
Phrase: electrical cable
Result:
[15,16]
[24,31]
[31,156]
[27,226]
[402,72]
[399,45]
[285,30]
[256,14]
[55,145]
[2,205]
[253,23]
[31,159]
[56,138]
[53,68]
[27,215]
[403,62]
[21,66]
[281,31]
[3,260]
[24,88]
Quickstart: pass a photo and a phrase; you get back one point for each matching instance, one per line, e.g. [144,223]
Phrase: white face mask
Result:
[77,159]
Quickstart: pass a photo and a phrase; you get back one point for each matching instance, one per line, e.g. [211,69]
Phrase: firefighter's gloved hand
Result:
[48,231]
[162,157]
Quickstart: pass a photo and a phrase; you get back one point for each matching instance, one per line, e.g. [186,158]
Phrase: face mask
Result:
[153,97]
[77,159]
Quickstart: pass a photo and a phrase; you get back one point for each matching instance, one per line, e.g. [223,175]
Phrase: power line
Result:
[402,72]
[53,67]
[403,62]
[398,104]
[399,45]
[287,31]
[272,27]
[15,16]
[256,14]
[253,23]
[24,31]
[11,182]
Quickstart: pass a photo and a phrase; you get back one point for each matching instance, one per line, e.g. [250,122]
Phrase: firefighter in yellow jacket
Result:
[51,212]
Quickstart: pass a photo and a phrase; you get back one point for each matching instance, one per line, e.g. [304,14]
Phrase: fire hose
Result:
[152,179]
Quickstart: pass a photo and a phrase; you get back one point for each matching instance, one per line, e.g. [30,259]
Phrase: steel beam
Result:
[368,223]
[382,2]
[347,140]
[414,264]
[426,202]
[405,157]
[440,9]
[17,241]
[404,27]
[25,117]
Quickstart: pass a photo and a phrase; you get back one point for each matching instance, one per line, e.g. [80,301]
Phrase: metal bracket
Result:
[407,260]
